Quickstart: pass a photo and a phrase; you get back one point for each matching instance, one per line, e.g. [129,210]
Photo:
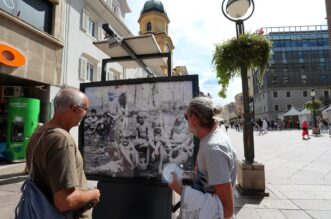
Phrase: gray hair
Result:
[67,97]
[204,109]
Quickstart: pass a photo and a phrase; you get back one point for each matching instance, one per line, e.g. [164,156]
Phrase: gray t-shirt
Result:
[216,163]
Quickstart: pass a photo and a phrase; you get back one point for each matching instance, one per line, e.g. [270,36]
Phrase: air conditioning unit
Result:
[11,91]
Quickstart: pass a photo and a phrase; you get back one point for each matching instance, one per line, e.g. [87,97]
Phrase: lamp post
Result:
[235,10]
[313,93]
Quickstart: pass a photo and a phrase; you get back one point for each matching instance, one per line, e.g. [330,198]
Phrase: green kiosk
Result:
[23,115]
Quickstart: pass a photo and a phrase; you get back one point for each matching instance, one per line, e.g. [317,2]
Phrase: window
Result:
[324,77]
[276,107]
[303,79]
[113,74]
[326,94]
[304,93]
[285,78]
[90,72]
[289,106]
[88,69]
[38,13]
[114,8]
[275,94]
[274,79]
[288,94]
[91,27]
[149,26]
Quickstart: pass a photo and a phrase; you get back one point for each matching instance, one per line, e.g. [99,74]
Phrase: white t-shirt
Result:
[216,163]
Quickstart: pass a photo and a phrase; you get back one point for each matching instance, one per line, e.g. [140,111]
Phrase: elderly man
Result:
[57,165]
[216,163]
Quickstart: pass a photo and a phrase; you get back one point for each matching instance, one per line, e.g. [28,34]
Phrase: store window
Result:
[38,13]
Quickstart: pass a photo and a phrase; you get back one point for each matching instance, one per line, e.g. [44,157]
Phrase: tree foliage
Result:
[316,106]
[250,50]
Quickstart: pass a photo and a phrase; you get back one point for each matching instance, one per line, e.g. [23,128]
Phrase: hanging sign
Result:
[10,56]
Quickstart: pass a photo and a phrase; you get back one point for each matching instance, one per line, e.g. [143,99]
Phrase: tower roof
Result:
[153,5]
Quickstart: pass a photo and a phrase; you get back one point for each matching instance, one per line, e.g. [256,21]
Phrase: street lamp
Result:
[236,11]
[313,93]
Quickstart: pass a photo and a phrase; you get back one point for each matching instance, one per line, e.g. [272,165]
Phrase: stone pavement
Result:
[298,178]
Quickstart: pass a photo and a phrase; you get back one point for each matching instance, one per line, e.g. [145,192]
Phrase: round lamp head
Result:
[312,93]
[237,8]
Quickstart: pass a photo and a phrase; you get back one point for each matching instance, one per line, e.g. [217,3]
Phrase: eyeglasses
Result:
[186,116]
[82,107]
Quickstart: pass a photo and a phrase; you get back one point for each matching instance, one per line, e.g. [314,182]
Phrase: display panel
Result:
[135,127]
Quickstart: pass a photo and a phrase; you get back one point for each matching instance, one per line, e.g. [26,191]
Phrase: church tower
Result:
[154,20]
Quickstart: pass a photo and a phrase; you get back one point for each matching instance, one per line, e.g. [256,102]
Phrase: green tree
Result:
[316,106]
[250,50]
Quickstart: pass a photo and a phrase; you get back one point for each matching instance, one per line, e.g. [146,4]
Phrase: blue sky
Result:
[197,26]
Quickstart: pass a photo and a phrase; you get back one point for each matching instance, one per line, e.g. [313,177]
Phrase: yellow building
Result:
[154,20]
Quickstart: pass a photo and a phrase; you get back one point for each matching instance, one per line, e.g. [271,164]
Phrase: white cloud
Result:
[196,26]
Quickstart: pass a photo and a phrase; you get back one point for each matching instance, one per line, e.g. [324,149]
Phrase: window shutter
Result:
[84,20]
[82,68]
[98,74]
[100,32]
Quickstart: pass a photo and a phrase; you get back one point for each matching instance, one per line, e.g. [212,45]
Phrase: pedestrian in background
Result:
[56,161]
[226,124]
[264,127]
[304,127]
[216,162]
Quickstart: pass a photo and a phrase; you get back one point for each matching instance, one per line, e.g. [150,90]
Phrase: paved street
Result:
[298,178]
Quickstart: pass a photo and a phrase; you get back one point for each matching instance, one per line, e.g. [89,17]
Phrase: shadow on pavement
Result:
[12,178]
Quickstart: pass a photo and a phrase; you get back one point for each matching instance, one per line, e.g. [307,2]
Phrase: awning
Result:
[291,112]
[142,48]
[304,112]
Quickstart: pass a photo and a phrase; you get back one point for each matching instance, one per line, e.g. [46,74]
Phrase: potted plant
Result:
[249,50]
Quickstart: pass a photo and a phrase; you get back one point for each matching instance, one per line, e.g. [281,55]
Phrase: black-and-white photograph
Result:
[134,130]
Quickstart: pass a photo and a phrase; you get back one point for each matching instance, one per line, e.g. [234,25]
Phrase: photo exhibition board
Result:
[135,127]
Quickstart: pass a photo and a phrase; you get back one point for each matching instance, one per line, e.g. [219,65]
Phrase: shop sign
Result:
[10,56]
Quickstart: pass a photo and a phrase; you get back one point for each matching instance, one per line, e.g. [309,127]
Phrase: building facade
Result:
[239,105]
[55,41]
[328,18]
[300,62]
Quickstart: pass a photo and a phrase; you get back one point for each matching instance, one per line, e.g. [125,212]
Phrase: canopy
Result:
[327,114]
[327,109]
[291,112]
[130,52]
[304,112]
